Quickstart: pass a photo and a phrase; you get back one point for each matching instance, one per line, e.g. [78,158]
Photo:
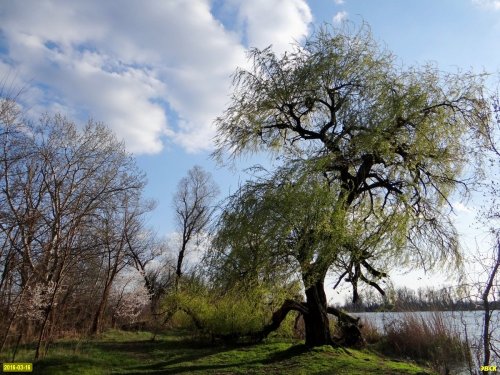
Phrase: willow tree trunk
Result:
[316,320]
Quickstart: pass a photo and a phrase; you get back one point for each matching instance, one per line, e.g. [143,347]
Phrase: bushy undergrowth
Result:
[237,312]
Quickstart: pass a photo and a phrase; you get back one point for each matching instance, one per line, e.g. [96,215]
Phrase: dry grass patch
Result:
[426,339]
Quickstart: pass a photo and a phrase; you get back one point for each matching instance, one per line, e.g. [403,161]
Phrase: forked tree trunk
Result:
[316,320]
[97,321]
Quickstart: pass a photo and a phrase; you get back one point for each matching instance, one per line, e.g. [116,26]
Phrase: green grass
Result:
[119,352]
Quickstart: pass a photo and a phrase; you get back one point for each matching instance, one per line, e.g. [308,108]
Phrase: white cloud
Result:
[339,2]
[276,22]
[490,4]
[125,65]
[339,17]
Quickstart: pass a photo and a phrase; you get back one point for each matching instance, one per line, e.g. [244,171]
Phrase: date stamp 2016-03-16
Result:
[17,367]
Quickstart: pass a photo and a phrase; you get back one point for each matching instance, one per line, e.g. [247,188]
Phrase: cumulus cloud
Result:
[339,17]
[339,2]
[152,70]
[490,4]
[274,22]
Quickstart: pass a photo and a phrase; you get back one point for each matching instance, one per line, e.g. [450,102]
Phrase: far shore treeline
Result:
[404,299]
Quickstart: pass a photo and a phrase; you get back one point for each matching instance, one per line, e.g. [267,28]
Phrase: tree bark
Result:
[279,315]
[316,320]
[350,328]
[46,322]
[108,282]
[97,321]
[487,311]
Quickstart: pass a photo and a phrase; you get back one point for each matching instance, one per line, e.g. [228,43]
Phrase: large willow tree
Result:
[371,152]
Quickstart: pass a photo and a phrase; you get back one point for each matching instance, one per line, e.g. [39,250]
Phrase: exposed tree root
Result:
[349,326]
[350,333]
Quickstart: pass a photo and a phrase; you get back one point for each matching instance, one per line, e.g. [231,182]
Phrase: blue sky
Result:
[157,72]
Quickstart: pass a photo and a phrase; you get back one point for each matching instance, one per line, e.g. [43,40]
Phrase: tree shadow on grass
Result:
[148,345]
[156,369]
[177,352]
[287,354]
[166,357]
[159,368]
[71,365]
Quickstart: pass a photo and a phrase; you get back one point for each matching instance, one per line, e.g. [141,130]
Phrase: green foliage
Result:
[371,151]
[273,228]
[235,312]
[227,314]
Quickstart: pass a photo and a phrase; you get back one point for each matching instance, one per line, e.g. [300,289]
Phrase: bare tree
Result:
[193,209]
[55,182]
[117,228]
[491,217]
[482,285]
[490,288]
[149,256]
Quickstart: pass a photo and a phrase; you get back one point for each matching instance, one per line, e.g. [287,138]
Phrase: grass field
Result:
[118,352]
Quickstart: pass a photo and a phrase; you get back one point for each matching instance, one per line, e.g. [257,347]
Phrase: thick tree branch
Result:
[279,316]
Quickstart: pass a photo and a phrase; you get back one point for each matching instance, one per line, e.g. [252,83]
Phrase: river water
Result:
[468,324]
